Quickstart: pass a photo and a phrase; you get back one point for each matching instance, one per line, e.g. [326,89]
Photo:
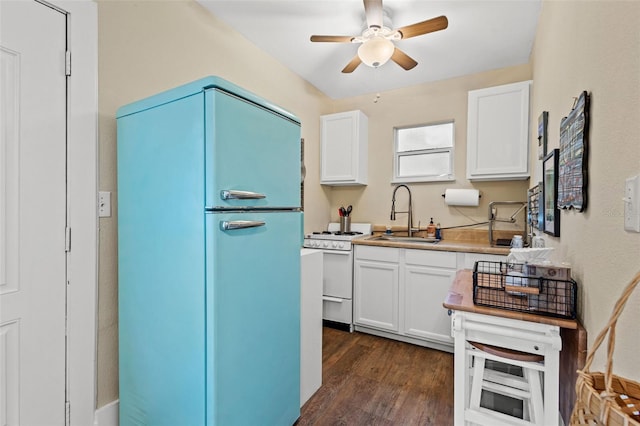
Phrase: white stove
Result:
[333,239]
[337,271]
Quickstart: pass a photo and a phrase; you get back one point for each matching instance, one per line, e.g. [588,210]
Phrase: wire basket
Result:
[524,288]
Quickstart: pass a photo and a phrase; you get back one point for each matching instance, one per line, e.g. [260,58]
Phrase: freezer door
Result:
[252,154]
[253,318]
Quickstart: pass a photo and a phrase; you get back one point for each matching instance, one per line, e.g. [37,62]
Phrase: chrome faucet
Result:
[409,211]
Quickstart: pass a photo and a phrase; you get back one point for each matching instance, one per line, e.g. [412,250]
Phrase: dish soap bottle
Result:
[431,229]
[438,232]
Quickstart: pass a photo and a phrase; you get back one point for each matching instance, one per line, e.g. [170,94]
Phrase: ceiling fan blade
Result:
[402,59]
[351,66]
[424,27]
[332,39]
[373,12]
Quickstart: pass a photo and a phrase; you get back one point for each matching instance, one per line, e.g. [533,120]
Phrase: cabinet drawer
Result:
[440,259]
[338,310]
[381,254]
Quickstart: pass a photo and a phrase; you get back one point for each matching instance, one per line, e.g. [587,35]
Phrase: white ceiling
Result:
[482,35]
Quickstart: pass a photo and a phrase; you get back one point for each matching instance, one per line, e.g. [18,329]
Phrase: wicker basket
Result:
[605,398]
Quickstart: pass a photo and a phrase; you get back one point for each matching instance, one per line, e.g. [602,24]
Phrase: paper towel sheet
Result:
[461,197]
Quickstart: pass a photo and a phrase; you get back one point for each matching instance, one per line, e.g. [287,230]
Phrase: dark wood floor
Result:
[369,380]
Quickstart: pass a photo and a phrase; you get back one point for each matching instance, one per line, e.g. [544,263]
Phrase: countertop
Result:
[443,245]
[460,298]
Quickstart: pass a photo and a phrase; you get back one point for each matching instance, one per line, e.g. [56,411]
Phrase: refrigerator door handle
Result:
[232,194]
[240,224]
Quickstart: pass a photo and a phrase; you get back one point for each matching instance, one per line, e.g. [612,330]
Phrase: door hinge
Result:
[67,239]
[67,63]
[67,413]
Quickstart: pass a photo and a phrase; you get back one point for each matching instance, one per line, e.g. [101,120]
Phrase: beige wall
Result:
[150,46]
[428,103]
[595,46]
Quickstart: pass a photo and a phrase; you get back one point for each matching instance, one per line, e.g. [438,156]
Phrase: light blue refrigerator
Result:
[209,235]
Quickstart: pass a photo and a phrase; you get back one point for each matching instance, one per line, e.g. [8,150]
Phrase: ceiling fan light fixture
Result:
[376,51]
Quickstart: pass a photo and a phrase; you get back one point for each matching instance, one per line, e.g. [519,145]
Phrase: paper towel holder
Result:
[479,195]
[462,197]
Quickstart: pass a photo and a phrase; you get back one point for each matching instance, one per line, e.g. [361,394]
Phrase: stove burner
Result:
[336,233]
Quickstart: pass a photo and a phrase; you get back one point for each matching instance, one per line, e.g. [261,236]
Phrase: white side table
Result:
[520,331]
[525,336]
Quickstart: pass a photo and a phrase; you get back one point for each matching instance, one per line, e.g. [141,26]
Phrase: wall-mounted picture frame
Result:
[543,125]
[550,193]
[572,167]
[536,214]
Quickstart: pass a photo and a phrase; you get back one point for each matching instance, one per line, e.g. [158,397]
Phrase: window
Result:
[423,153]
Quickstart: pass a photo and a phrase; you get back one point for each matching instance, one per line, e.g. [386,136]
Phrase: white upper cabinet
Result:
[498,133]
[344,141]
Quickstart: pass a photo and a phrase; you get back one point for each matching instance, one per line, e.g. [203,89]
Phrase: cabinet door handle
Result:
[232,194]
[240,224]
[331,299]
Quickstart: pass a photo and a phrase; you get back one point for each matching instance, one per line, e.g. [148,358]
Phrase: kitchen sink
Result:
[392,238]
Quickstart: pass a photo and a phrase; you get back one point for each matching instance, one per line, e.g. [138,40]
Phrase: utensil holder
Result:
[345,224]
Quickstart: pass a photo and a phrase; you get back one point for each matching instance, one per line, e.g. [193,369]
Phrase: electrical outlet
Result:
[104,204]
[632,204]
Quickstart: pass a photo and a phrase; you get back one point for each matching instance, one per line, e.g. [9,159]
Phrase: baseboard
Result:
[433,344]
[107,415]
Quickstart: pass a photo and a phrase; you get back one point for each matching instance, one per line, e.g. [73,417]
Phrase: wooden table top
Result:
[460,298]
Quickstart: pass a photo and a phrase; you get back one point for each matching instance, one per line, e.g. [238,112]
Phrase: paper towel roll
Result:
[461,197]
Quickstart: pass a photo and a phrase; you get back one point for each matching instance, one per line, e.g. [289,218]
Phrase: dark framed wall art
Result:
[543,124]
[536,216]
[550,193]
[572,167]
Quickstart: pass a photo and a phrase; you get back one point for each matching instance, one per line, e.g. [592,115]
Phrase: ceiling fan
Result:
[377,40]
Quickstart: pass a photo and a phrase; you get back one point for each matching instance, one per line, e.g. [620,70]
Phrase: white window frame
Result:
[426,177]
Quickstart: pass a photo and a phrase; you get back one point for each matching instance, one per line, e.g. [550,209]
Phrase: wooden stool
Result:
[527,388]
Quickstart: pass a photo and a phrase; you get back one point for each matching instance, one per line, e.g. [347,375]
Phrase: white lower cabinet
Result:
[399,294]
[424,290]
[376,285]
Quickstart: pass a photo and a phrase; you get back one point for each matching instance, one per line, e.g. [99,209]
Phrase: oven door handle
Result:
[331,299]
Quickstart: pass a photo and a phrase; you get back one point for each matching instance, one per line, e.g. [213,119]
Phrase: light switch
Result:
[104,204]
[632,204]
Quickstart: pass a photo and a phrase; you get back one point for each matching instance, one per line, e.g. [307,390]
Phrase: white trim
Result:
[108,414]
[82,175]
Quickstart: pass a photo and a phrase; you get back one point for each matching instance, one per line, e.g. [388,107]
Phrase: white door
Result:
[32,214]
